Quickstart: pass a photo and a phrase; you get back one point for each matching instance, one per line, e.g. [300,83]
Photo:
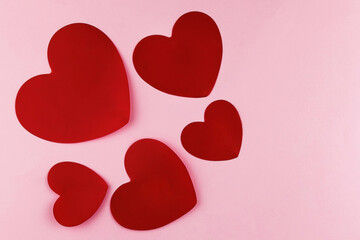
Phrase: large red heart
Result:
[81,192]
[219,137]
[160,190]
[86,95]
[186,64]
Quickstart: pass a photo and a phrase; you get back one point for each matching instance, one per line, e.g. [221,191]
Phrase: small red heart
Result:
[81,192]
[86,95]
[186,64]
[159,192]
[219,137]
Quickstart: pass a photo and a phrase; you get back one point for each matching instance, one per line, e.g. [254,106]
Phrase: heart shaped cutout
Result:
[186,64]
[86,95]
[159,192]
[81,192]
[219,137]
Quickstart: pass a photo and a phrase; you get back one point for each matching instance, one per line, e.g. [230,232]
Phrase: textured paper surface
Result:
[291,68]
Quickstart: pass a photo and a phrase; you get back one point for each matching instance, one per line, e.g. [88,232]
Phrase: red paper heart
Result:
[186,64]
[81,192]
[219,137]
[86,95]
[160,190]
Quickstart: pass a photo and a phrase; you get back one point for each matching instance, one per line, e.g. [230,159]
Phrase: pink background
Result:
[292,69]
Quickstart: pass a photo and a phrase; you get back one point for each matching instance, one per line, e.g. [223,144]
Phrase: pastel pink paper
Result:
[292,69]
